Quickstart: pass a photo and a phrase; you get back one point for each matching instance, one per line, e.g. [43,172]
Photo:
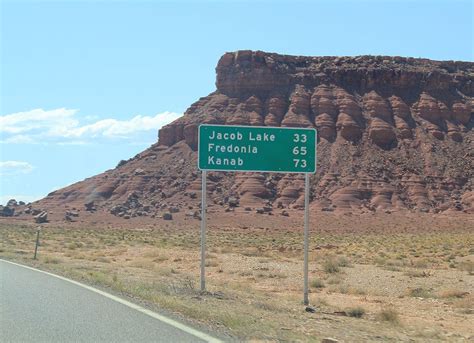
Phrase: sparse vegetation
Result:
[52,260]
[334,280]
[452,293]
[420,292]
[356,291]
[467,266]
[356,312]
[332,264]
[465,305]
[255,275]
[211,263]
[317,283]
[420,263]
[389,315]
[417,273]
[342,289]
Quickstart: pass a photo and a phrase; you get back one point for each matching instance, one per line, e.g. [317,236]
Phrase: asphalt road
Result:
[36,307]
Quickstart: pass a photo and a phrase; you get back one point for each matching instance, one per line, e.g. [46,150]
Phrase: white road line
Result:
[180,326]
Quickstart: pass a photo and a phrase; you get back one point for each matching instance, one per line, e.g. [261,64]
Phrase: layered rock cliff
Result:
[395,134]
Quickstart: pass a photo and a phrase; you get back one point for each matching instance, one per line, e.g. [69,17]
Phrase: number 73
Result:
[299,163]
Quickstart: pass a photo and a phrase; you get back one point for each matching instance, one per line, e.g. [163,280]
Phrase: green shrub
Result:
[356,312]
[317,283]
[420,292]
[331,266]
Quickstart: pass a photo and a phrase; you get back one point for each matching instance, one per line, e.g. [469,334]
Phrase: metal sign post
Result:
[255,149]
[203,230]
[37,242]
[306,238]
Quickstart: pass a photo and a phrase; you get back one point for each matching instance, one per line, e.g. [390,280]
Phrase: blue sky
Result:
[85,84]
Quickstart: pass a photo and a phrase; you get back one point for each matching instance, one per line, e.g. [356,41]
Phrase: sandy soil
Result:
[372,277]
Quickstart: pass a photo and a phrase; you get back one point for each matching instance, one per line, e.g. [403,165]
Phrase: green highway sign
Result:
[257,148]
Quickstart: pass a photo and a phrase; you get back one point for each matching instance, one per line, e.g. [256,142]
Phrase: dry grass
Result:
[467,266]
[51,260]
[254,277]
[417,273]
[333,264]
[465,305]
[317,283]
[452,293]
[356,312]
[420,292]
[389,315]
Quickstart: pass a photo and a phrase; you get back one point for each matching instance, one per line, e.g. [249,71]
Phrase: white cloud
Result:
[63,126]
[15,167]
[19,139]
[37,119]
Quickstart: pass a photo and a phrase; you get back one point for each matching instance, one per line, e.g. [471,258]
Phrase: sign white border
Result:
[263,171]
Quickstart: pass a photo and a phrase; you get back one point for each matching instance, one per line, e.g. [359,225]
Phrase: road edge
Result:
[160,317]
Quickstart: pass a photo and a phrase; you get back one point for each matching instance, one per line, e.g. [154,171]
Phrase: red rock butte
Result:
[395,134]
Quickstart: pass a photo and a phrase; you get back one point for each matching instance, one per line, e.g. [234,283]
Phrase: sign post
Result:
[203,229]
[256,149]
[306,238]
[37,242]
